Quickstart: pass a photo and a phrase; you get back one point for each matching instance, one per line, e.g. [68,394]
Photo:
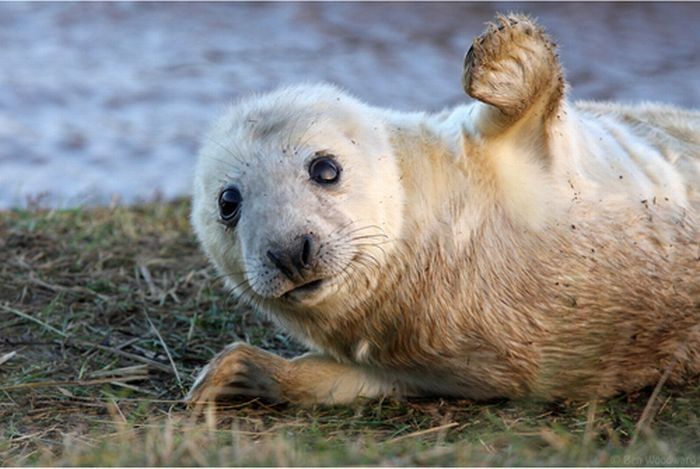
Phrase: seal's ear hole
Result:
[325,170]
[230,205]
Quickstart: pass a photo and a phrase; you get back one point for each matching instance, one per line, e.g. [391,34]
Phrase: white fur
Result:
[278,197]
[430,208]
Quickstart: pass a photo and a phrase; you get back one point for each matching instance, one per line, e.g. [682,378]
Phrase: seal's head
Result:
[296,193]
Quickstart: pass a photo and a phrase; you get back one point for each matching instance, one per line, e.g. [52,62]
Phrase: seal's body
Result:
[519,245]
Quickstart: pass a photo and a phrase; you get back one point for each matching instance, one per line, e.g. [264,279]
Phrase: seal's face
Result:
[296,197]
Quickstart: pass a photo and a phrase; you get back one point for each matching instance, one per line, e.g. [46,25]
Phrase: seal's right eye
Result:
[325,170]
[230,205]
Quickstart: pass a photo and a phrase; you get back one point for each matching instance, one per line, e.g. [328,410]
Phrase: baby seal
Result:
[518,245]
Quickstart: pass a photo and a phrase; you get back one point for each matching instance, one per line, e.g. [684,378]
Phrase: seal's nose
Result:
[297,259]
[307,247]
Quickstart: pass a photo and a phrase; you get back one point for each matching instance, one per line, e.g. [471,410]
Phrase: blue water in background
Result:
[106,103]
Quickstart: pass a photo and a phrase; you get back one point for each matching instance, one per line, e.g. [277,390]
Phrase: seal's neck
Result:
[443,186]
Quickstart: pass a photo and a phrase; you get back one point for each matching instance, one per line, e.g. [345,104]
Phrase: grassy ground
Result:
[105,315]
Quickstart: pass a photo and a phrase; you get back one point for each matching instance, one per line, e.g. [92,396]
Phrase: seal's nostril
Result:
[306,248]
[285,268]
[295,260]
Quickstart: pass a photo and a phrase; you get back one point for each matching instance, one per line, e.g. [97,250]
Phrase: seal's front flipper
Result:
[513,69]
[241,370]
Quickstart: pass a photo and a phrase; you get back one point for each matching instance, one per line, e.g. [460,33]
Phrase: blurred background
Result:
[106,103]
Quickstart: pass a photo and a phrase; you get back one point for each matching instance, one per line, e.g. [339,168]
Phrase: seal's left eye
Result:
[324,170]
[230,205]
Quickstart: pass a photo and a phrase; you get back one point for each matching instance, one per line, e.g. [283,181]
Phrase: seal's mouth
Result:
[306,287]
[305,291]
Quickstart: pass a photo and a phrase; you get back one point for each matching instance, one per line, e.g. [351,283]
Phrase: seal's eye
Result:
[324,170]
[230,204]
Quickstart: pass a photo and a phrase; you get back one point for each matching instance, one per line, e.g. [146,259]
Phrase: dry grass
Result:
[105,314]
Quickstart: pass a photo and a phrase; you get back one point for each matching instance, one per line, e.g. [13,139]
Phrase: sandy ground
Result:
[102,102]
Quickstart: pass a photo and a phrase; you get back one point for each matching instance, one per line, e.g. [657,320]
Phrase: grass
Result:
[106,314]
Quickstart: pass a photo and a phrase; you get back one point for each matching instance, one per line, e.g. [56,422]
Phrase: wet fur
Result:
[541,248]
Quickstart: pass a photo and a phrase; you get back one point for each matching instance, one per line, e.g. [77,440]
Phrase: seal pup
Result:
[518,245]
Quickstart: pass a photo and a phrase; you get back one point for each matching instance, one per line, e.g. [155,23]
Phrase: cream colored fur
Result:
[517,245]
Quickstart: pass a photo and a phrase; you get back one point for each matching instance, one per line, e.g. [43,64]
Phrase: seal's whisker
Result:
[341,228]
[366,227]
[364,270]
[359,235]
[227,150]
[305,137]
[227,175]
[384,239]
[347,275]
[358,264]
[228,163]
[240,284]
[373,259]
[363,263]
[292,131]
[241,294]
[374,246]
[228,275]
